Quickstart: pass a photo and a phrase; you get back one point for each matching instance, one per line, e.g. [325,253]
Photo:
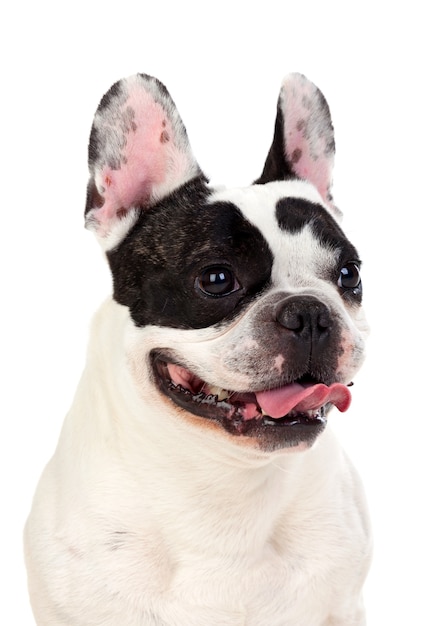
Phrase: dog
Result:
[196,481]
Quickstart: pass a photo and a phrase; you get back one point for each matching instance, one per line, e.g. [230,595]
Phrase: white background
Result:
[380,66]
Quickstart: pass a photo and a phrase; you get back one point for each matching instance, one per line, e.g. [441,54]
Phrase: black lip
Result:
[271,434]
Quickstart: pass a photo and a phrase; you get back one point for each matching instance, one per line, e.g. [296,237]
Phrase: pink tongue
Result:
[278,402]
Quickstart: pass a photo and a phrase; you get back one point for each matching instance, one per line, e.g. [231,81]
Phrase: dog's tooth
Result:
[222,394]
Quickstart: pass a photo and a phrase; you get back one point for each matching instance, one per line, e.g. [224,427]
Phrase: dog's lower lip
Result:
[238,413]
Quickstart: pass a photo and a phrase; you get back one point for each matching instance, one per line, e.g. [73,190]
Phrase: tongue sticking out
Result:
[275,403]
[278,402]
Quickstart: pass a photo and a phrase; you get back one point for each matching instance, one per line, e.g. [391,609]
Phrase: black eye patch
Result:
[161,270]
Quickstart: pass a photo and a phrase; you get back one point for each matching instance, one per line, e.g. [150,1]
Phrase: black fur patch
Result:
[156,266]
[293,214]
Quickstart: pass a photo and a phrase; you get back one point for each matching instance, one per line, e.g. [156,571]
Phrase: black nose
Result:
[306,316]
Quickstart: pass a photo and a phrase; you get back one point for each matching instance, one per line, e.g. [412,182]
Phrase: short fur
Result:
[195,482]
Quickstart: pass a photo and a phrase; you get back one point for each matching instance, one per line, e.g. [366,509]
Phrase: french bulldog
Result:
[196,482]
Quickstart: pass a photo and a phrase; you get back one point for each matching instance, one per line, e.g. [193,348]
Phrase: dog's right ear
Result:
[138,153]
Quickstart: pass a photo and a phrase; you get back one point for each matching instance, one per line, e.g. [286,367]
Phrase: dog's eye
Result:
[349,276]
[217,281]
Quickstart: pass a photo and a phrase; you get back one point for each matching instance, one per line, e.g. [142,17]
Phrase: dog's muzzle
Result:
[282,417]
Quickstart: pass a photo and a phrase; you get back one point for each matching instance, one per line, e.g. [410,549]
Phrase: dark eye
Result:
[217,281]
[349,277]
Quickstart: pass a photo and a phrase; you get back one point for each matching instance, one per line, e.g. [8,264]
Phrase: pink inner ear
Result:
[143,140]
[308,133]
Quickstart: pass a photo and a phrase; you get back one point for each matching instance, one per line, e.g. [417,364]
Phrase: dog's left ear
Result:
[303,145]
[138,153]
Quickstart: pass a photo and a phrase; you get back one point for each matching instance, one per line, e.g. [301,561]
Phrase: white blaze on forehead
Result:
[258,202]
[298,257]
[302,259]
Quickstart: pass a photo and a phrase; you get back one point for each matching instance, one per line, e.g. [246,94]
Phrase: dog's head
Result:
[244,304]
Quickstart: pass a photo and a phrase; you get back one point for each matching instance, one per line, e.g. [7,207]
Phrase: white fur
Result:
[141,519]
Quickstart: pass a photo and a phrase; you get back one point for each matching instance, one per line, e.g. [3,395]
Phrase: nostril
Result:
[324,321]
[304,315]
[291,319]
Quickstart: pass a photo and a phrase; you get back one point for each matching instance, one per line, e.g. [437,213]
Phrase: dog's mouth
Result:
[279,417]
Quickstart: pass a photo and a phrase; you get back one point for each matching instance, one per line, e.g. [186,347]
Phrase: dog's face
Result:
[245,304]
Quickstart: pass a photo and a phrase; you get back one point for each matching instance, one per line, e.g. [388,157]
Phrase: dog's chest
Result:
[216,590]
[285,581]
[258,593]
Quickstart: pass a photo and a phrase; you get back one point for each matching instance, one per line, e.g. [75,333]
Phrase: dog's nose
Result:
[306,316]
